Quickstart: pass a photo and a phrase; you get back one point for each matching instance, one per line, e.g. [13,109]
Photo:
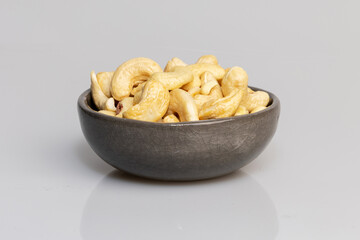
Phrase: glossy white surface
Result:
[305,185]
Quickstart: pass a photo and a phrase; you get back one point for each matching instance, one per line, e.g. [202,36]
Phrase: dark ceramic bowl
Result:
[178,151]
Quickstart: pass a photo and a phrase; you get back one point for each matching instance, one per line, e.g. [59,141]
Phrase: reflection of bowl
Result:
[126,207]
[178,151]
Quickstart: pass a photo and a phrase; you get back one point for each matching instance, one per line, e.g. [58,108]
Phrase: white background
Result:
[305,185]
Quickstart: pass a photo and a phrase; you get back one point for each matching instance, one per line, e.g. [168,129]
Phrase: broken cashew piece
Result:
[208,59]
[110,105]
[173,80]
[170,119]
[131,71]
[253,100]
[235,78]
[104,80]
[223,107]
[126,104]
[174,62]
[241,110]
[208,81]
[153,104]
[258,109]
[183,104]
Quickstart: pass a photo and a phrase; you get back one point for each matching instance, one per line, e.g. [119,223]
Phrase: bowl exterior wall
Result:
[178,152]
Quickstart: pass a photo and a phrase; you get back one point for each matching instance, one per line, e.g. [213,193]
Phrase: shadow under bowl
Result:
[184,151]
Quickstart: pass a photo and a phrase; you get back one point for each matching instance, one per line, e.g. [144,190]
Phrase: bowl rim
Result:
[82,104]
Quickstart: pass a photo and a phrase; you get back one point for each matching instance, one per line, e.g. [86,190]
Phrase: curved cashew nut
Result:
[236,78]
[208,59]
[215,94]
[170,119]
[258,109]
[173,80]
[200,68]
[101,101]
[106,112]
[104,80]
[183,104]
[223,107]
[126,104]
[208,81]
[241,111]
[153,104]
[174,62]
[131,71]
[253,100]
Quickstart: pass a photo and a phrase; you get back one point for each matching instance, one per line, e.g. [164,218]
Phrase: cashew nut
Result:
[196,82]
[194,91]
[131,71]
[104,80]
[253,100]
[241,110]
[236,78]
[223,107]
[208,59]
[215,94]
[258,109]
[99,98]
[174,62]
[170,119]
[200,68]
[208,81]
[173,80]
[153,104]
[183,104]
[126,104]
[106,112]
[110,105]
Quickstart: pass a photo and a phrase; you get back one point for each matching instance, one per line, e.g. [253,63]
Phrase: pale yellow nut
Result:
[97,94]
[200,68]
[126,104]
[201,99]
[174,62]
[110,105]
[137,97]
[250,90]
[170,119]
[208,82]
[241,110]
[223,107]
[104,80]
[253,100]
[258,109]
[183,104]
[194,91]
[208,59]
[131,71]
[138,88]
[236,78]
[106,112]
[153,104]
[173,80]
[196,82]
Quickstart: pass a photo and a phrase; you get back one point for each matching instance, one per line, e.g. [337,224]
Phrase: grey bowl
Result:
[178,151]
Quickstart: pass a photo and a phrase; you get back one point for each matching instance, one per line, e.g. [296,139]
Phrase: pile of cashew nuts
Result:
[139,89]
